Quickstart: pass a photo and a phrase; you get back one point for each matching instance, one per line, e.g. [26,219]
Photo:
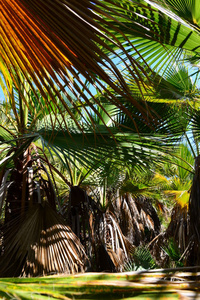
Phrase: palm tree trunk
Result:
[194,214]
[14,195]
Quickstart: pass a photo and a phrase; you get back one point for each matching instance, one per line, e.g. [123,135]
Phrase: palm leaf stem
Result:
[189,143]
[56,170]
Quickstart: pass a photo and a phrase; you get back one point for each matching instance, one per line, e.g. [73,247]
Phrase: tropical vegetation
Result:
[99,136]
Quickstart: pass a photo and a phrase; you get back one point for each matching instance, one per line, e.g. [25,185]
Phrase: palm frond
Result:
[141,259]
[52,46]
[165,283]
[41,244]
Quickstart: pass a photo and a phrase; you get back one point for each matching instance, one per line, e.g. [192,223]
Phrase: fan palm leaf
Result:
[52,44]
[42,244]
[163,32]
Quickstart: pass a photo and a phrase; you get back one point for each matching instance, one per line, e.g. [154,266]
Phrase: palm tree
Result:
[93,220]
[32,135]
[174,181]
[35,238]
[176,86]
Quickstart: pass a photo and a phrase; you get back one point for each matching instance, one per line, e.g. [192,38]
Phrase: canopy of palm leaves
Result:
[29,139]
[51,54]
[30,147]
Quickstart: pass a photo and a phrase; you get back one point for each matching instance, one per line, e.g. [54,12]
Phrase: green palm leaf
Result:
[52,46]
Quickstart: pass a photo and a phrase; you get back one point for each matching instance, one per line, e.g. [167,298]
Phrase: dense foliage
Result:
[99,133]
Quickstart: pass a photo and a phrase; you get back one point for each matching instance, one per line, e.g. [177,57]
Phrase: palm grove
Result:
[99,135]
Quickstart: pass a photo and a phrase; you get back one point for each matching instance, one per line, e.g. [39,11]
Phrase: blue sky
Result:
[1,94]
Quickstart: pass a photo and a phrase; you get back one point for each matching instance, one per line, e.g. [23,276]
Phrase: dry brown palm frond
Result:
[138,219]
[100,233]
[29,183]
[80,216]
[179,226]
[175,236]
[112,239]
[41,244]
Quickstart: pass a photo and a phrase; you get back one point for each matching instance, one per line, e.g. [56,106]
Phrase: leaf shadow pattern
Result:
[41,244]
